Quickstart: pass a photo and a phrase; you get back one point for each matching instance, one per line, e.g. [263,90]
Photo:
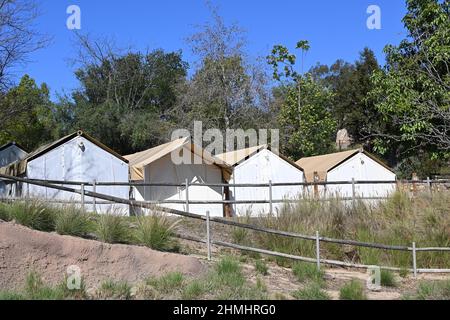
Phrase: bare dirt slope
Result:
[23,250]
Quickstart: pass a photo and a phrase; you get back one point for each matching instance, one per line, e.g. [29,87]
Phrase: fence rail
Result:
[209,241]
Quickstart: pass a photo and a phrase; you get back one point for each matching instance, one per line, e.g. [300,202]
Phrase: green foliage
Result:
[312,291]
[307,272]
[167,283]
[353,290]
[4,212]
[112,228]
[156,232]
[261,267]
[72,221]
[33,214]
[433,290]
[193,290]
[110,289]
[388,279]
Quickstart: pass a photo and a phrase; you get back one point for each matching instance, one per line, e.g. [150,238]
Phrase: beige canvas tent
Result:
[160,165]
[355,164]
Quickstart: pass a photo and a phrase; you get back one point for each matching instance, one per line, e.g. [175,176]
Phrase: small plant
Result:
[312,291]
[239,235]
[387,279]
[193,290]
[167,283]
[307,272]
[353,290]
[4,212]
[261,267]
[433,290]
[156,232]
[73,222]
[229,272]
[36,290]
[115,290]
[112,228]
[33,214]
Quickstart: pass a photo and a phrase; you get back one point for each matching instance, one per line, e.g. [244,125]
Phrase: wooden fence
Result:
[317,239]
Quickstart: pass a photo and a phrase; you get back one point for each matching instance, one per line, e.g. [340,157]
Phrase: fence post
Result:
[94,189]
[187,195]
[208,236]
[82,196]
[414,259]
[353,192]
[430,189]
[318,250]
[270,198]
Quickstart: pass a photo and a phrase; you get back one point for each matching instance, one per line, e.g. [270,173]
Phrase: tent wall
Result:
[80,160]
[7,156]
[263,167]
[361,167]
[164,170]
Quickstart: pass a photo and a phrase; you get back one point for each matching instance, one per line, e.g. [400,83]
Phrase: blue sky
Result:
[335,29]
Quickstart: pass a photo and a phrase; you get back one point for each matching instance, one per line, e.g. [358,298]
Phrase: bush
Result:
[353,290]
[112,228]
[193,290]
[36,290]
[167,283]
[33,214]
[156,232]
[433,290]
[261,267]
[388,279]
[307,272]
[4,212]
[312,291]
[73,222]
[115,290]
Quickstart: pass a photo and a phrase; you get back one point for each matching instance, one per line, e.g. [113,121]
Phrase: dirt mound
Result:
[49,254]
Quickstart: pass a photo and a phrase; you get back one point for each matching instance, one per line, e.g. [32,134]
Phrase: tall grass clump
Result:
[33,214]
[73,221]
[112,228]
[167,283]
[156,232]
[115,290]
[387,279]
[433,290]
[312,291]
[4,212]
[353,290]
[261,267]
[307,272]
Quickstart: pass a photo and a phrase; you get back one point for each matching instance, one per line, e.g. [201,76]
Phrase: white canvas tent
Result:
[347,165]
[9,153]
[156,165]
[259,165]
[76,157]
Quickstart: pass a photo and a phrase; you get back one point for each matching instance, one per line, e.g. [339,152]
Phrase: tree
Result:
[18,39]
[413,91]
[29,127]
[226,91]
[306,122]
[125,98]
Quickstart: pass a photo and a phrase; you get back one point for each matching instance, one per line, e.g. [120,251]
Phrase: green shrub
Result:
[4,212]
[36,290]
[167,283]
[387,279]
[110,289]
[433,290]
[307,272]
[156,232]
[229,273]
[73,222]
[261,267]
[112,228]
[33,214]
[353,290]
[312,291]
[193,290]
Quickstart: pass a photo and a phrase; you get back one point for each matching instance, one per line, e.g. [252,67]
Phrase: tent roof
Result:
[142,159]
[234,158]
[19,167]
[324,163]
[12,143]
